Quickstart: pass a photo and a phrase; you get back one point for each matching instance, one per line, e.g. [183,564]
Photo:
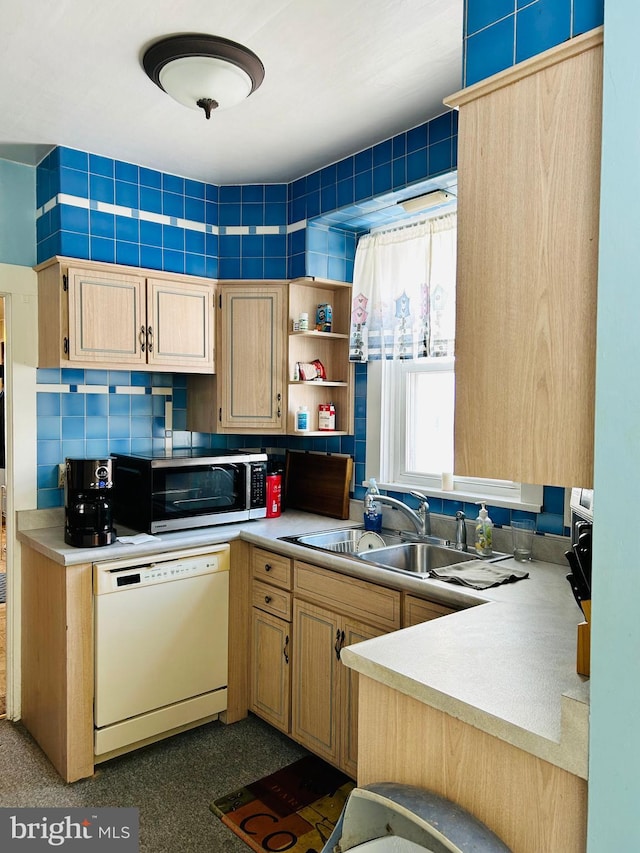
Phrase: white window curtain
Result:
[404,292]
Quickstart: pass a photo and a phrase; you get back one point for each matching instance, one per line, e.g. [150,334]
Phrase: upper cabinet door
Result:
[180,324]
[252,358]
[529,186]
[106,317]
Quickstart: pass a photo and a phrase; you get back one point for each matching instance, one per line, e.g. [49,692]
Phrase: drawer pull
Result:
[267,567]
[267,599]
[285,651]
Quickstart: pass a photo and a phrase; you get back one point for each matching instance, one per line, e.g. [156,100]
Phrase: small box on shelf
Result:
[324,317]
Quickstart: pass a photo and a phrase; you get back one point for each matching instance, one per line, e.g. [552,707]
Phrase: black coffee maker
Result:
[87,503]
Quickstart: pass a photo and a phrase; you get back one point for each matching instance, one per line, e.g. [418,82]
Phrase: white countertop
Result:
[506,666]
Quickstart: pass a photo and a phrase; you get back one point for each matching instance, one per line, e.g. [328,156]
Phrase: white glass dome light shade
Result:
[192,78]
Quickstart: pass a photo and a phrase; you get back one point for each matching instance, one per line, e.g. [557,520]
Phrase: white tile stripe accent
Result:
[246,229]
[164,219]
[103,389]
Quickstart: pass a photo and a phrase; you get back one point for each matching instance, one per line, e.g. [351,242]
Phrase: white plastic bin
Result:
[392,818]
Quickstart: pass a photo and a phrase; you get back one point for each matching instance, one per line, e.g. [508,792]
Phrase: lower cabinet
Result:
[58,661]
[270,680]
[302,617]
[331,611]
[417,610]
[271,638]
[325,693]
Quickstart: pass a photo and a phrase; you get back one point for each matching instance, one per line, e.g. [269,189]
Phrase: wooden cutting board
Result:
[318,482]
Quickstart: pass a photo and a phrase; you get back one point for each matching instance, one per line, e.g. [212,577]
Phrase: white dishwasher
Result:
[161,645]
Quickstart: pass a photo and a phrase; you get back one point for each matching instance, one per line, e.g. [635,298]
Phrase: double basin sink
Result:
[414,557]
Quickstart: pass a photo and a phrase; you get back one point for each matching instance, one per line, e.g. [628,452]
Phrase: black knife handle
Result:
[575,592]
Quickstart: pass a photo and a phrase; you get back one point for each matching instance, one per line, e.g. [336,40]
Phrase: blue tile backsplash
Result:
[93,207]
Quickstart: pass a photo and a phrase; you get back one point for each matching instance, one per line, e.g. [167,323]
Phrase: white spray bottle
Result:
[484,532]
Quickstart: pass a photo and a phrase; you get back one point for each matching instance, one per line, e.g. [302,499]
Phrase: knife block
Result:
[583,663]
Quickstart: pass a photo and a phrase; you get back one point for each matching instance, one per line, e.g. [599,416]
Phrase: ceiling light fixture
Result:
[202,71]
[424,202]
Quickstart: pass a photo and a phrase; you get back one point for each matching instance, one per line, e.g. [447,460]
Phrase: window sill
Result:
[465,496]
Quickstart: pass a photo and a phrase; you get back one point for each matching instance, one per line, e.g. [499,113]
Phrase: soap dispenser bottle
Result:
[372,508]
[484,532]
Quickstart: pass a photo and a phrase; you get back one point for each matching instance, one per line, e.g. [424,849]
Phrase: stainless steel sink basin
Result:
[411,557]
[419,558]
[343,541]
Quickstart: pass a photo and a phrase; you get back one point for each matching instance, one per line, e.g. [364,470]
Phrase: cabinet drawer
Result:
[272,568]
[373,604]
[271,599]
[417,610]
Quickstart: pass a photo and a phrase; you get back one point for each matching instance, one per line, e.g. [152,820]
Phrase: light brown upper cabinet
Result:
[529,185]
[248,394]
[256,389]
[121,317]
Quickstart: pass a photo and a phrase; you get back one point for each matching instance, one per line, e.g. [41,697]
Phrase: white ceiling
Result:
[340,75]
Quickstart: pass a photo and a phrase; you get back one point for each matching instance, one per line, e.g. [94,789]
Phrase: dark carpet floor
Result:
[172,782]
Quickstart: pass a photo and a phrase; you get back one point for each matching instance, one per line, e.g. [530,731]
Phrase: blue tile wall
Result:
[330,252]
[353,195]
[408,158]
[85,413]
[96,208]
[501,33]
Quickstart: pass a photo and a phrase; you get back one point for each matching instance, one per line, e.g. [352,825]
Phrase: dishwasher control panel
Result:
[120,575]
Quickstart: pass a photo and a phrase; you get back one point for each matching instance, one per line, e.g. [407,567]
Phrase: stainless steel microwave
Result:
[188,489]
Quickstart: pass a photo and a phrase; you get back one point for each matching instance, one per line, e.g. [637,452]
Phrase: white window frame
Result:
[385,451]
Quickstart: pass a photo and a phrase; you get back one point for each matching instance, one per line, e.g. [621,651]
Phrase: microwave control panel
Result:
[258,484]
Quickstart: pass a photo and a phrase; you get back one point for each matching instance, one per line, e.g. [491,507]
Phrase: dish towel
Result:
[478,575]
[3,588]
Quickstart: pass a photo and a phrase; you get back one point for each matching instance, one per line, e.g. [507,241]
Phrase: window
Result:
[410,420]
[422,394]
[404,326]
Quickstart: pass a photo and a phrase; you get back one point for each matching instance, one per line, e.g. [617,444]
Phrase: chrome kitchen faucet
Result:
[421,519]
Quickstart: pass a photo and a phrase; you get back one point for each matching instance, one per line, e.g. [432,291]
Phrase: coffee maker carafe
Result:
[87,503]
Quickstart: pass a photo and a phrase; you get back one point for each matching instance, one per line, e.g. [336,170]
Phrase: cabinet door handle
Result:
[150,338]
[285,650]
[339,643]
[267,599]
[267,567]
[279,398]
[142,338]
